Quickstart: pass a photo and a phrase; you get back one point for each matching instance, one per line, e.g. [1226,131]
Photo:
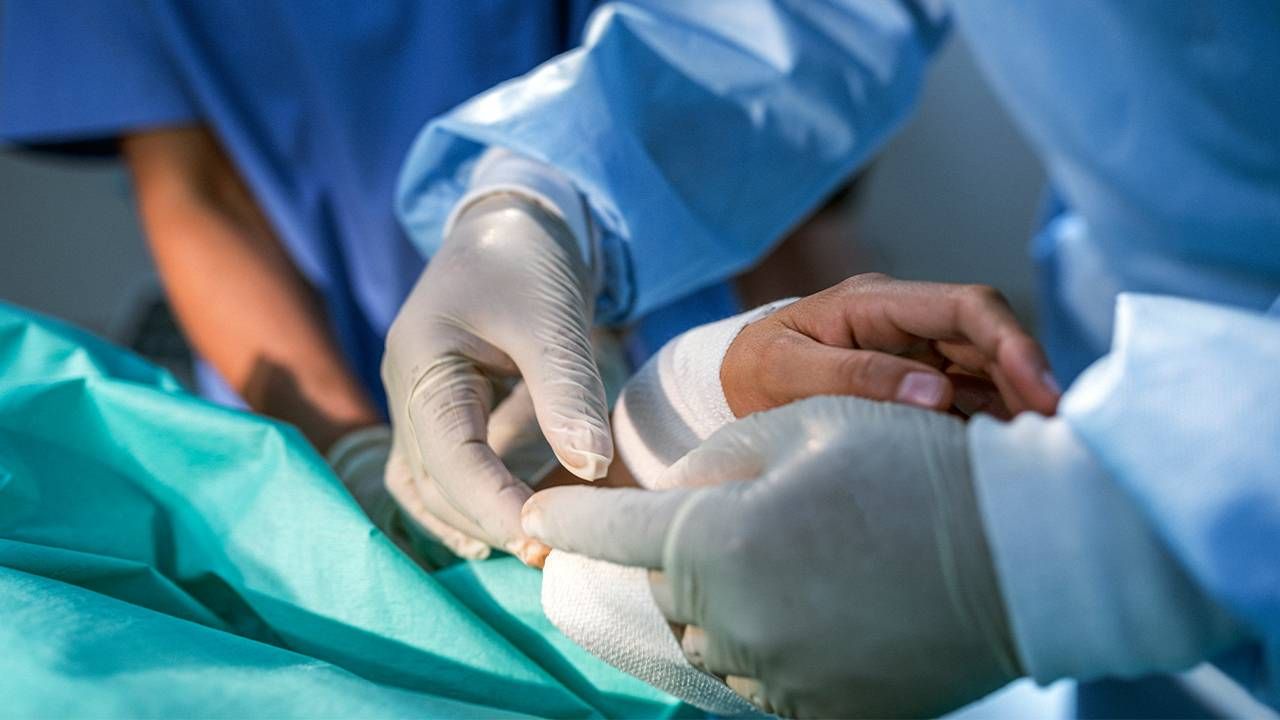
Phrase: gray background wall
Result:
[951,199]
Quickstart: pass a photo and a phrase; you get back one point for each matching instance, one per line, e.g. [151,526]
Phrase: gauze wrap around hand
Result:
[667,409]
[507,295]
[828,558]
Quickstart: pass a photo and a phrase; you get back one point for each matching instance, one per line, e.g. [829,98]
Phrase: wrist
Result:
[741,371]
[499,170]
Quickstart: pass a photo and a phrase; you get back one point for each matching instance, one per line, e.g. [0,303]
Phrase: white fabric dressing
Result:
[671,405]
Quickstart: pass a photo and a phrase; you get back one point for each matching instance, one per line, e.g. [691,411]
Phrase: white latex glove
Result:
[384,488]
[506,296]
[359,459]
[830,559]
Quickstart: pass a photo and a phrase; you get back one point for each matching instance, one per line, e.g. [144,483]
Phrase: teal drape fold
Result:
[162,556]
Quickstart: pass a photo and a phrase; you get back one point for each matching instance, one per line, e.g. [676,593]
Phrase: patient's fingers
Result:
[624,526]
[975,395]
[693,643]
[980,315]
[751,690]
[877,312]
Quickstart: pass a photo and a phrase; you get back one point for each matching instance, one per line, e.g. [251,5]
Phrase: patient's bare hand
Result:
[935,345]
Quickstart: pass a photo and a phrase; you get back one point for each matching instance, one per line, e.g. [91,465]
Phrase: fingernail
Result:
[535,555]
[473,550]
[586,464]
[529,552]
[1050,382]
[584,450]
[921,388]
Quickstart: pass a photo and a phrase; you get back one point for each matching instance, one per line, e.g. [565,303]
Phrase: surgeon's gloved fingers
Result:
[405,491]
[464,537]
[549,337]
[626,526]
[515,437]
[558,365]
[448,418]
[493,499]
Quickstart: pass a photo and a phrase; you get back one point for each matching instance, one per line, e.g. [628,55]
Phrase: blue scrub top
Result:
[317,104]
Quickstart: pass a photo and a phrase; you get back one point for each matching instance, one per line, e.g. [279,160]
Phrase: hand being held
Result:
[934,345]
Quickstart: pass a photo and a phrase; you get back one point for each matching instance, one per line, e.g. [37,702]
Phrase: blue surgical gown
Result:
[698,132]
[315,102]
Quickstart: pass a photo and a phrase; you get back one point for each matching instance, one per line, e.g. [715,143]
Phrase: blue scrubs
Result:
[315,102]
[698,132]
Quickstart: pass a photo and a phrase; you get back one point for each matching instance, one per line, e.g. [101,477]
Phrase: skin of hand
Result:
[933,345]
[826,558]
[506,296]
[240,299]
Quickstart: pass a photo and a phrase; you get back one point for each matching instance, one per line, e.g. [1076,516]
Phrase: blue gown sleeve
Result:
[1183,413]
[698,132]
[79,72]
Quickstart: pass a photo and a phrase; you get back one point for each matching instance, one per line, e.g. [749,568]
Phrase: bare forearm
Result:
[239,297]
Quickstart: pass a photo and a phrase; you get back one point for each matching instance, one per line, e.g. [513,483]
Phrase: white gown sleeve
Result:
[1160,512]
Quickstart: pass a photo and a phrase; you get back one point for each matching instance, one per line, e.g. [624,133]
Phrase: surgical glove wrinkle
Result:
[506,296]
[837,567]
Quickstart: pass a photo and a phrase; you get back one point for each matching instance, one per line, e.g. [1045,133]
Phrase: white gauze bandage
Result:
[671,405]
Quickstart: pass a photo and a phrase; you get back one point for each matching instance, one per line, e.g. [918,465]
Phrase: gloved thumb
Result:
[555,357]
[569,401]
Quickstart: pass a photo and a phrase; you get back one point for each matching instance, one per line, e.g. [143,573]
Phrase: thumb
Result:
[555,358]
[627,526]
[867,374]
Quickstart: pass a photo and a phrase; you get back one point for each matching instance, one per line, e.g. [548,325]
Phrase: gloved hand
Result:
[359,459]
[830,559]
[507,295]
[383,486]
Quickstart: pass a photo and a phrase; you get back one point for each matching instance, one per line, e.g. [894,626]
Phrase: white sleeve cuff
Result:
[1089,588]
[500,170]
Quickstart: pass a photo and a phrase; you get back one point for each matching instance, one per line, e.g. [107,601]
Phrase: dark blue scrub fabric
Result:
[315,102]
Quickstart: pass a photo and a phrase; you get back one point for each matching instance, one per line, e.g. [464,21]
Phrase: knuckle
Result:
[395,337]
[774,353]
[866,372]
[862,281]
[984,296]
